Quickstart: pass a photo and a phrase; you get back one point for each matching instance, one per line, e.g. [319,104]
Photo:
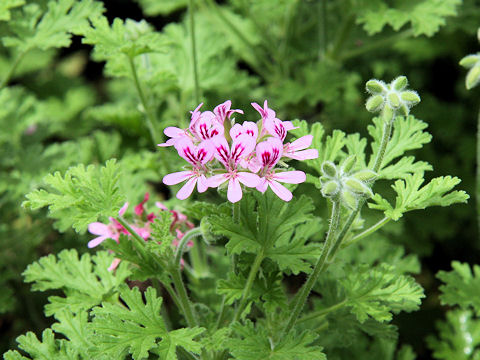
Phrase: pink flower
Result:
[139,208]
[197,156]
[269,153]
[295,150]
[206,126]
[110,231]
[175,134]
[223,111]
[242,146]
[265,112]
[247,128]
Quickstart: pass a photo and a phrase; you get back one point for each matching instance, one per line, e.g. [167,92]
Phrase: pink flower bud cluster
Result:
[219,150]
[140,224]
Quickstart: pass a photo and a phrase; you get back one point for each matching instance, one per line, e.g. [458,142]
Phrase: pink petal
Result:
[114,264]
[289,126]
[169,142]
[290,177]
[302,143]
[173,131]
[236,130]
[205,151]
[303,154]
[234,192]
[262,185]
[202,184]
[242,146]
[248,179]
[216,180]
[269,151]
[139,208]
[97,241]
[281,191]
[186,150]
[160,205]
[187,189]
[177,177]
[123,209]
[97,228]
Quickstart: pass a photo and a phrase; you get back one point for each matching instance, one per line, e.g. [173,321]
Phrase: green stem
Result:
[148,112]
[183,296]
[478,173]
[381,43]
[387,132]
[248,286]
[221,315]
[322,312]
[198,260]
[138,239]
[300,300]
[367,232]
[194,51]
[183,242]
[12,69]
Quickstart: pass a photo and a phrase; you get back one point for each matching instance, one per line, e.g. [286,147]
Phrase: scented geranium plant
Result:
[254,272]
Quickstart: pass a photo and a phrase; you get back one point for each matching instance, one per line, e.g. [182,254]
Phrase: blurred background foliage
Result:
[77,103]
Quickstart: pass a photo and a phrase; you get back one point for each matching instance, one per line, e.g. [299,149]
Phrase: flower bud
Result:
[374,103]
[349,163]
[329,169]
[365,175]
[399,83]
[473,77]
[358,187]
[324,179]
[387,113]
[349,199]
[469,61]
[330,188]
[410,97]
[394,100]
[376,87]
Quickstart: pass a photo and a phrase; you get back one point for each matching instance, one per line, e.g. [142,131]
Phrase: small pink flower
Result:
[247,128]
[197,156]
[139,208]
[104,232]
[242,146]
[223,111]
[207,126]
[269,152]
[295,150]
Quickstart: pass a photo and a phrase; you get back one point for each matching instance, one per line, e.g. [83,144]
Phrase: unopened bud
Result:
[365,175]
[330,189]
[374,103]
[473,77]
[394,100]
[329,169]
[469,61]
[410,97]
[376,86]
[399,83]
[349,199]
[358,187]
[349,163]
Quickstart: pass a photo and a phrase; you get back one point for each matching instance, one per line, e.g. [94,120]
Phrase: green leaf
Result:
[269,224]
[256,344]
[164,7]
[461,286]
[47,349]
[137,328]
[458,338]
[378,291]
[411,196]
[52,29]
[85,281]
[75,328]
[120,41]
[426,16]
[5,7]
[407,135]
[80,197]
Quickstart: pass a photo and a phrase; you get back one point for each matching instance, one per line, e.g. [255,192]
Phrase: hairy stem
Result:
[194,51]
[183,296]
[12,69]
[137,238]
[183,242]
[300,300]
[148,112]
[367,232]
[322,312]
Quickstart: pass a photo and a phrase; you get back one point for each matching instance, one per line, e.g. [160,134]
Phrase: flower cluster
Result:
[140,224]
[219,150]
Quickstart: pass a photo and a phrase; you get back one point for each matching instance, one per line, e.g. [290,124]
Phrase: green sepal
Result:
[374,103]
[403,110]
[330,188]
[375,86]
[349,163]
[329,169]
[365,175]
[399,83]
